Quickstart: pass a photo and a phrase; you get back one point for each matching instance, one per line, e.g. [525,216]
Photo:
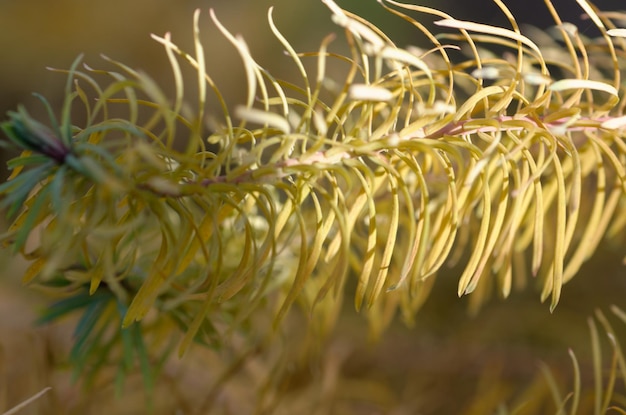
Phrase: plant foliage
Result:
[155,215]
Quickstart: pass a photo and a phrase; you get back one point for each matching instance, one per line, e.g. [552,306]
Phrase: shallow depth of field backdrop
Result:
[438,366]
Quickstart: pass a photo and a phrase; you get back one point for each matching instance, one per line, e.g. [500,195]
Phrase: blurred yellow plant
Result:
[506,166]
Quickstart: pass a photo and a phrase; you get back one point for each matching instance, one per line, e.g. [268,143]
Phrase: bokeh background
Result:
[435,367]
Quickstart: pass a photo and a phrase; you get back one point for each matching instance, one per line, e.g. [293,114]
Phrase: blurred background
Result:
[445,356]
